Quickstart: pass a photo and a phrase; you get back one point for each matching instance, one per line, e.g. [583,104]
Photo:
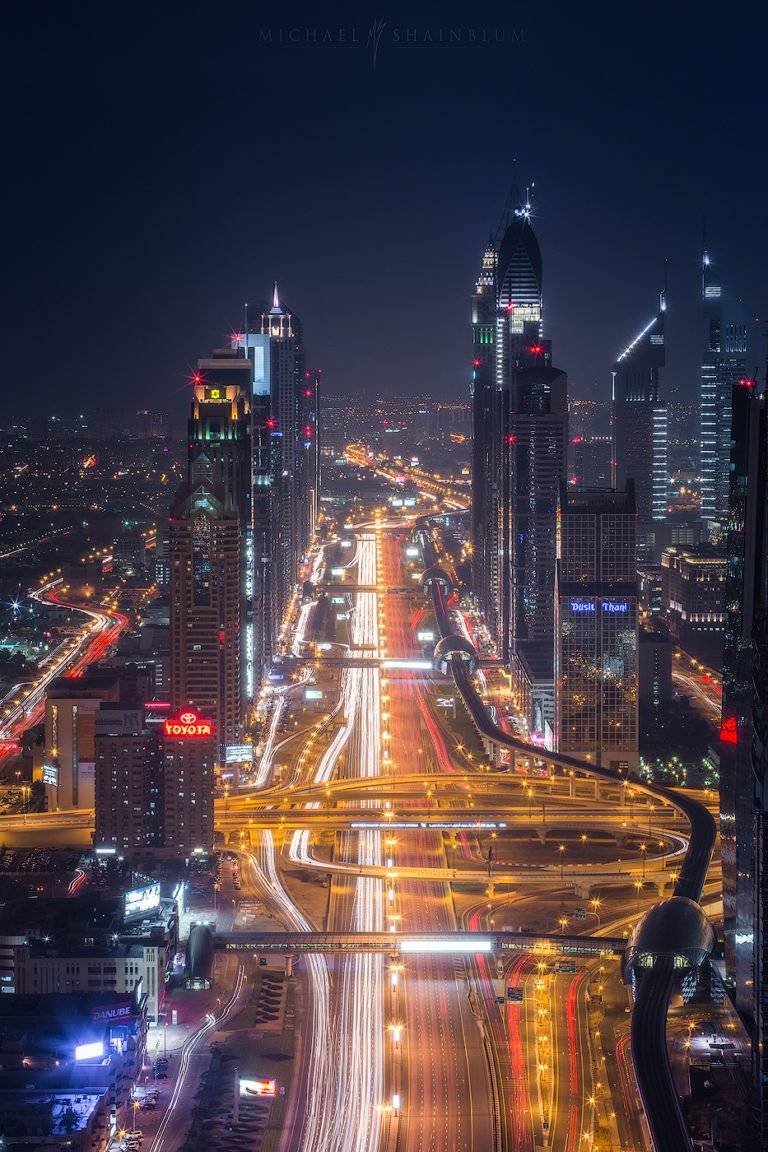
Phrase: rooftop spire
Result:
[275,299]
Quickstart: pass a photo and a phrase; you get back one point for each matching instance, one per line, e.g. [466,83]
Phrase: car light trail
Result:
[188,1050]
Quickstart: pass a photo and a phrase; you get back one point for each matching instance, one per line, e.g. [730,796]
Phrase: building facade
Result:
[640,432]
[693,593]
[520,423]
[744,736]
[724,362]
[71,706]
[596,627]
[129,782]
[207,598]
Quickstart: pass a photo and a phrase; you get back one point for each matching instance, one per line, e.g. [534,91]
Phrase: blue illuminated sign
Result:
[582,606]
[615,606]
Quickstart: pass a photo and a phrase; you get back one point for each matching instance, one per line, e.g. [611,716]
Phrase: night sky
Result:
[164,164]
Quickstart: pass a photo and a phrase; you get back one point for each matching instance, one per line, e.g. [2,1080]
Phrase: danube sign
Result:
[188,725]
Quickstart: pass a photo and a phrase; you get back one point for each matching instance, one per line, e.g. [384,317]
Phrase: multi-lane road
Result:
[100,630]
[431,1052]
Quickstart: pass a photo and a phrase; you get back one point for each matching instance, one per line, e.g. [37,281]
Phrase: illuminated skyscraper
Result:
[486,416]
[640,431]
[520,435]
[284,467]
[289,535]
[744,736]
[596,653]
[207,599]
[723,364]
[219,451]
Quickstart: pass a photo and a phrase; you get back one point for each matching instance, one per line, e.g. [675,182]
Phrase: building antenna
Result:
[663,297]
[245,309]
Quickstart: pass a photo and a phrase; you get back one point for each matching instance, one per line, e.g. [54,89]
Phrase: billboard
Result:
[50,775]
[257,1087]
[238,753]
[139,901]
[188,725]
[89,1051]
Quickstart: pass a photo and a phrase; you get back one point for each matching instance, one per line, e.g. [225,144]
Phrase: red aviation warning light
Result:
[188,725]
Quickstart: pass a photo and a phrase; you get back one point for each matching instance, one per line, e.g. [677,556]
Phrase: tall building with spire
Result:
[284,466]
[724,363]
[520,417]
[639,419]
[289,535]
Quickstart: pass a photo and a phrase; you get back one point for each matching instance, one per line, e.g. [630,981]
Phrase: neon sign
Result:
[615,606]
[188,725]
[729,730]
[582,606]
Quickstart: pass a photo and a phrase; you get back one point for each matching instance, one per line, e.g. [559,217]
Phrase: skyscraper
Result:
[219,451]
[724,363]
[207,604]
[309,438]
[289,483]
[486,415]
[520,435]
[534,462]
[744,735]
[284,466]
[640,431]
[596,652]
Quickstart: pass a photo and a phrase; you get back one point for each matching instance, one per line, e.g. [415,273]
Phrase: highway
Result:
[415,1052]
[101,630]
[648,1029]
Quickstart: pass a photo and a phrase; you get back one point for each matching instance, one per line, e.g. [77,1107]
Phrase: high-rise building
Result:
[309,425]
[520,420]
[129,781]
[693,586]
[190,749]
[71,706]
[219,451]
[534,453]
[154,780]
[724,363]
[590,461]
[596,626]
[744,736]
[640,431]
[207,600]
[284,468]
[289,536]
[486,415]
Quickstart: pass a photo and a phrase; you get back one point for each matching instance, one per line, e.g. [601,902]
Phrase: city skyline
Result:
[384,759]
